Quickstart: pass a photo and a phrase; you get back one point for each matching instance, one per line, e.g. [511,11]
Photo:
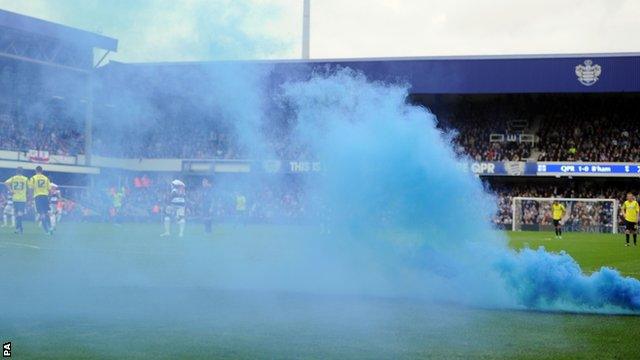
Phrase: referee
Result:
[40,184]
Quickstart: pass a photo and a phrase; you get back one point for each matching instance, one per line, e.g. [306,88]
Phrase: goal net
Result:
[585,215]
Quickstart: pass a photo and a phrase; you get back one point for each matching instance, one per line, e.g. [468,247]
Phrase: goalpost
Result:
[585,215]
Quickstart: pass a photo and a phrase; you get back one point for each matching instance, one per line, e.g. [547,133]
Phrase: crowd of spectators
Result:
[472,140]
[473,122]
[59,136]
[193,138]
[170,139]
[40,110]
[590,138]
[561,128]
[566,128]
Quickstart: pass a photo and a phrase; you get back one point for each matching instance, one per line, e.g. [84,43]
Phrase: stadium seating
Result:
[487,128]
[548,127]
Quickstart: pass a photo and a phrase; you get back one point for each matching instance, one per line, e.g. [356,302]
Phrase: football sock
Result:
[19,222]
[559,232]
[181,224]
[627,237]
[167,225]
[45,222]
[635,238]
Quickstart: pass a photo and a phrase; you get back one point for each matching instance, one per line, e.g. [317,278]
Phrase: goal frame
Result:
[615,202]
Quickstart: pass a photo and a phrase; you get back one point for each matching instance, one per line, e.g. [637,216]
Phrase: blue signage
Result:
[508,168]
[615,169]
[594,73]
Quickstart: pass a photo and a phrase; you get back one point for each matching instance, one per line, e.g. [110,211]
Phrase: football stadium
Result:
[445,207]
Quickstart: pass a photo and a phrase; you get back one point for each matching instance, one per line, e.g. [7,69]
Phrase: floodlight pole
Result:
[306,27]
[88,120]
[89,109]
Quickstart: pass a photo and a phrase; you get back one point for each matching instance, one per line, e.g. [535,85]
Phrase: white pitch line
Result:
[20,244]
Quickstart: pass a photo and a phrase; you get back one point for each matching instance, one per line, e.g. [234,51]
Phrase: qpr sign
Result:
[588,73]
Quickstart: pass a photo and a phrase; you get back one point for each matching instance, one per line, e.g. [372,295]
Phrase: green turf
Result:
[591,250]
[233,324]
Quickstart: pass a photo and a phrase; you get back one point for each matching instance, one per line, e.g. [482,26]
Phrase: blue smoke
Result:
[168,30]
[392,182]
[542,280]
[402,215]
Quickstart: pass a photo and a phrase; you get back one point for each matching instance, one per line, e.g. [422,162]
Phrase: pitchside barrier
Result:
[582,215]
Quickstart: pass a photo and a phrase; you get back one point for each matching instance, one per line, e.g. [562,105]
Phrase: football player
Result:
[175,208]
[8,212]
[54,199]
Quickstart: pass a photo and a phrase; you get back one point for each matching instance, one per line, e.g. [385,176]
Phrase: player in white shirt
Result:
[8,212]
[176,208]
[54,198]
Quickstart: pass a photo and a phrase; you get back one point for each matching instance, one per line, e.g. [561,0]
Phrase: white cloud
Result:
[463,27]
[155,30]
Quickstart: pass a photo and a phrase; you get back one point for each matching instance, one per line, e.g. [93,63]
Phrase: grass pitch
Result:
[245,324]
[591,250]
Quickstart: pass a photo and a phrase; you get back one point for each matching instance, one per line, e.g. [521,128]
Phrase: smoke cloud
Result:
[186,30]
[394,184]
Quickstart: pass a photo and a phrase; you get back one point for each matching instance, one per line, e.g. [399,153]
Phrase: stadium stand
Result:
[575,128]
[591,128]
[567,135]
[474,120]
[56,133]
[580,127]
[497,114]
[44,70]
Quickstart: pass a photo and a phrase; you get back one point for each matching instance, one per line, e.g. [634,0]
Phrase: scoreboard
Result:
[549,168]
[587,169]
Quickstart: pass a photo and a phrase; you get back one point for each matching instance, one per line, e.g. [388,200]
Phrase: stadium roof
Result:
[52,30]
[393,59]
[567,73]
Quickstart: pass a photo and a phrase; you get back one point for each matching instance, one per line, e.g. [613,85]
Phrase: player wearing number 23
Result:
[17,184]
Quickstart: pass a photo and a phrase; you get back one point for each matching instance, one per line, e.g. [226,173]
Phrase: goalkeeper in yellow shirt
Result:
[557,213]
[630,210]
